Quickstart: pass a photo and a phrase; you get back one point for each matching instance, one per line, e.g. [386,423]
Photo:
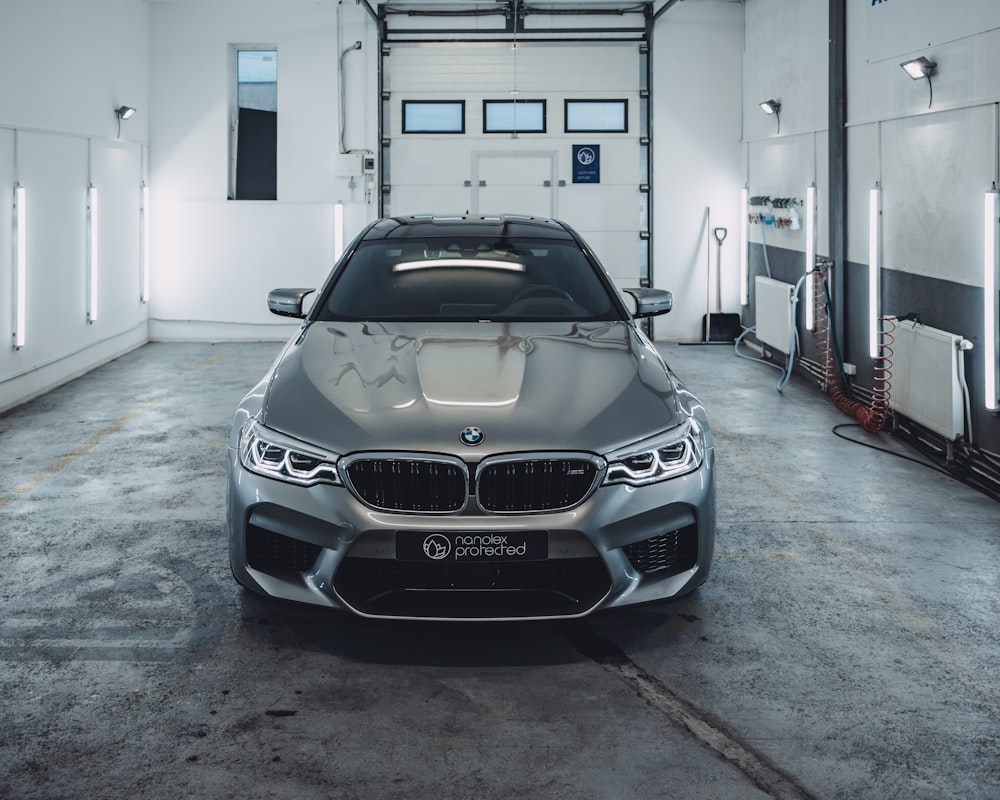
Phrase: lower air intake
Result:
[553,588]
[668,554]
[278,555]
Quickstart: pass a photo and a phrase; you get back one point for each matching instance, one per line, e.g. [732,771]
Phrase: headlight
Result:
[659,458]
[274,455]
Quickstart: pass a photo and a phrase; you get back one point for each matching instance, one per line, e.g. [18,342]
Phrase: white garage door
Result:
[577,156]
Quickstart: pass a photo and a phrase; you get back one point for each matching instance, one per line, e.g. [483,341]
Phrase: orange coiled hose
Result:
[872,419]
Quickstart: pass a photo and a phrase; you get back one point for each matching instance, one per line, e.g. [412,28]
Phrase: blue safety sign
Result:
[586,163]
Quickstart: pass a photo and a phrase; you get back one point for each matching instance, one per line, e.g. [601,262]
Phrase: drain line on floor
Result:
[709,731]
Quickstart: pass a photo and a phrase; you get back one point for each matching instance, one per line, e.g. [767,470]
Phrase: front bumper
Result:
[320,545]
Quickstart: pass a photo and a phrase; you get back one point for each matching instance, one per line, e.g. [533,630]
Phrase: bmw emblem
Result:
[472,436]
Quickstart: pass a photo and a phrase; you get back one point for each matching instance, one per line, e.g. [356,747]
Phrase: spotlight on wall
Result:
[772,107]
[123,112]
[922,67]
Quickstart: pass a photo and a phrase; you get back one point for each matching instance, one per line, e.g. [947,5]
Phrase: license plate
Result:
[469,547]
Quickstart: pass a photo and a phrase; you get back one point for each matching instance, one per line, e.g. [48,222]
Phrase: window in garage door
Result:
[513,116]
[596,116]
[433,116]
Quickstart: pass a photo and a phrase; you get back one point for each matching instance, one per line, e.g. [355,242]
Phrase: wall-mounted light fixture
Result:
[810,211]
[338,231]
[123,112]
[922,67]
[772,107]
[20,264]
[93,252]
[991,282]
[144,211]
[874,271]
[744,246]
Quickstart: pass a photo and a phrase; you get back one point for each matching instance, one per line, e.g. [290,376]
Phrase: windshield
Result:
[468,279]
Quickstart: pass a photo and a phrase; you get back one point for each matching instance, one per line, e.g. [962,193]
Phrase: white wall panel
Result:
[898,28]
[935,170]
[230,256]
[53,169]
[117,173]
[863,170]
[786,58]
[785,167]
[68,64]
[7,265]
[968,73]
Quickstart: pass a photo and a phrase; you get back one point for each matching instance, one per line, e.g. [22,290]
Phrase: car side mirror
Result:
[650,302]
[288,302]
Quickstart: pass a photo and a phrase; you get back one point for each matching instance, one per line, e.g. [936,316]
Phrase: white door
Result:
[512,182]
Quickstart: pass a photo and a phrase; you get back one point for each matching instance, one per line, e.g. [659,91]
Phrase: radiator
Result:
[774,312]
[928,377]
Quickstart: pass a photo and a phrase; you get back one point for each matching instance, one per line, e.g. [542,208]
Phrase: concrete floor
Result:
[846,645]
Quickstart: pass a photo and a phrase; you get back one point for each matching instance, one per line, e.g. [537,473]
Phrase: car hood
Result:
[528,386]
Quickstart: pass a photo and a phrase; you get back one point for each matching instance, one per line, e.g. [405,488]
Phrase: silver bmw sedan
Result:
[470,424]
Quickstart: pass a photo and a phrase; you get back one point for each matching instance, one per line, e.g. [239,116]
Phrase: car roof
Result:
[475,225]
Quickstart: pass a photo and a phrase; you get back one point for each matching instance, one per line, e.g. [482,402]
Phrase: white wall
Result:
[214,260]
[933,164]
[786,58]
[697,158]
[67,66]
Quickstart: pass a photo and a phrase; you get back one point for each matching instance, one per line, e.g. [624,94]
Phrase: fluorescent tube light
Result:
[810,254]
[874,271]
[144,290]
[744,247]
[991,259]
[94,251]
[20,265]
[338,231]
